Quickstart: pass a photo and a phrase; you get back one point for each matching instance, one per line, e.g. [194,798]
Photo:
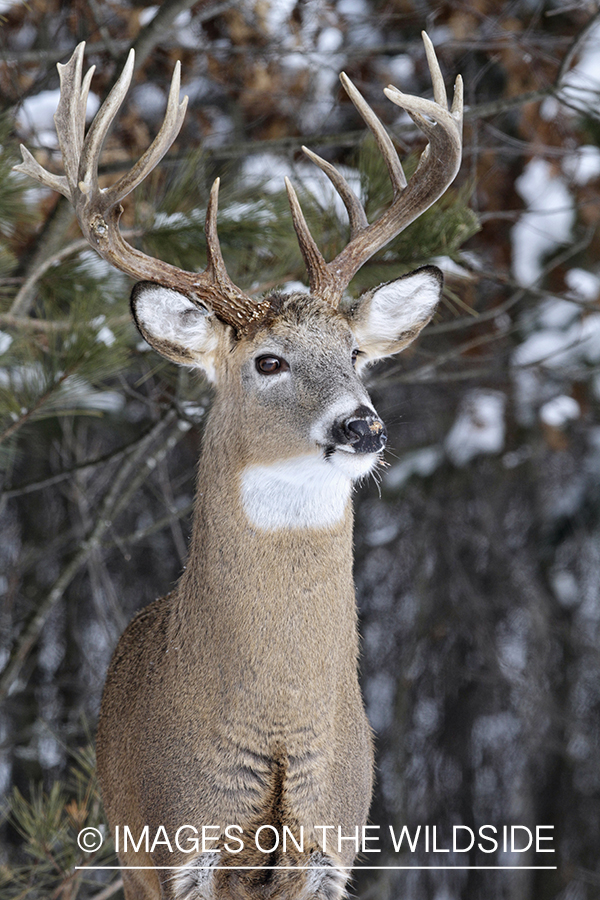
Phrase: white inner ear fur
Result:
[165,315]
[396,309]
[400,305]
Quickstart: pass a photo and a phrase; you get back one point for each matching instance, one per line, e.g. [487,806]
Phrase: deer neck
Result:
[266,533]
[268,613]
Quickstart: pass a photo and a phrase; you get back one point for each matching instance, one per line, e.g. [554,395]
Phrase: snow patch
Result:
[78,393]
[277,15]
[450,267]
[290,287]
[479,427]
[150,100]
[5,341]
[583,284]
[552,348]
[583,164]
[186,35]
[421,462]
[559,348]
[147,14]
[105,336]
[304,174]
[36,116]
[557,313]
[401,68]
[565,587]
[256,167]
[330,40]
[545,225]
[581,85]
[549,109]
[352,8]
[254,211]
[559,411]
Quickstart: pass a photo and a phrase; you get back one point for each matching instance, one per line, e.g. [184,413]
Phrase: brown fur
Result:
[249,667]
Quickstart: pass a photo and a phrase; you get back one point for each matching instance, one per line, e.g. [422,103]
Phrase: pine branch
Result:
[48,244]
[26,323]
[45,258]
[430,371]
[35,407]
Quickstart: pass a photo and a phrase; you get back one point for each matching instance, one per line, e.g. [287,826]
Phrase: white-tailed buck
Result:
[234,701]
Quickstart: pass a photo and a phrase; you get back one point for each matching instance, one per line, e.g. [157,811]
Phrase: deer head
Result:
[384,320]
[196,319]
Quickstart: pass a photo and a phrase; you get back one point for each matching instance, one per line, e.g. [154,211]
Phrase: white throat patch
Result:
[302,492]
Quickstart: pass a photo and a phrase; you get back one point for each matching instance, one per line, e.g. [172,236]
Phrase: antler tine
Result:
[384,142]
[30,166]
[169,130]
[99,211]
[437,169]
[69,117]
[313,259]
[356,213]
[215,263]
[70,126]
[439,88]
[87,172]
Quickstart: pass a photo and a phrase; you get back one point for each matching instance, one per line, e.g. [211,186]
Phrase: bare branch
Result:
[168,11]
[110,890]
[126,482]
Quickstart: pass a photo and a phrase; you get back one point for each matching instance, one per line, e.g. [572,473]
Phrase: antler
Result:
[437,169]
[98,210]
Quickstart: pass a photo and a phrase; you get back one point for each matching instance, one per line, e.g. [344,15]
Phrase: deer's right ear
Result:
[175,327]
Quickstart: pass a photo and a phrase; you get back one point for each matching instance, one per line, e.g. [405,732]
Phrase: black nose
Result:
[363,430]
[367,435]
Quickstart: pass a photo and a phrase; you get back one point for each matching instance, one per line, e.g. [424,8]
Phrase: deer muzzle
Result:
[363,432]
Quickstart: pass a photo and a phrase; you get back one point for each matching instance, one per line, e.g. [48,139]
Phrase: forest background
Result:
[478,555]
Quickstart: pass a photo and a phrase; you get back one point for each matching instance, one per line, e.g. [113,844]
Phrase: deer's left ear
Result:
[386,319]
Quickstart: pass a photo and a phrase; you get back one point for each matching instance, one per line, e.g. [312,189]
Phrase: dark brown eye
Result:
[270,365]
[355,354]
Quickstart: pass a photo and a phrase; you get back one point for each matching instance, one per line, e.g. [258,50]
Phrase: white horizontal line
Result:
[312,868]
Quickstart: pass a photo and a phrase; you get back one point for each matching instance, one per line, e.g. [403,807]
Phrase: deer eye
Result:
[270,365]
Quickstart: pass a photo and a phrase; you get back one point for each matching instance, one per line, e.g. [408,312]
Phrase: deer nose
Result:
[364,431]
[367,435]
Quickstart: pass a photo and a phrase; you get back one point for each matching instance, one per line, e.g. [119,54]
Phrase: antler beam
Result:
[99,210]
[437,169]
